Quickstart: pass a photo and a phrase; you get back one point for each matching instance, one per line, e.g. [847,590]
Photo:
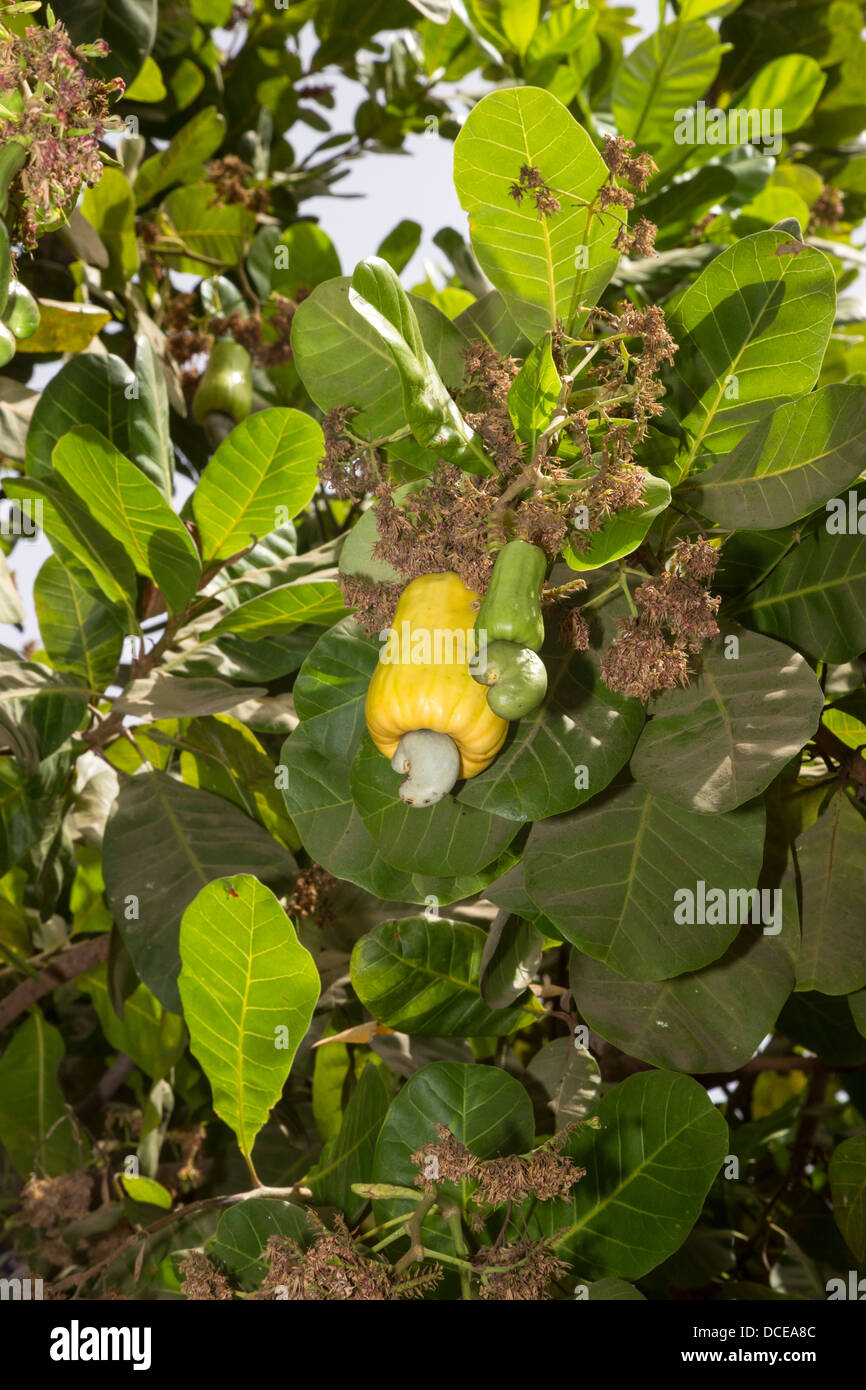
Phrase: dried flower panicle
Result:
[230,176]
[333,1268]
[531,183]
[49,1203]
[312,893]
[676,615]
[544,1174]
[201,1280]
[521,1270]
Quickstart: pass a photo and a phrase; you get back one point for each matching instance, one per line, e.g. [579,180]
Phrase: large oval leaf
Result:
[248,988]
[622,533]
[163,842]
[710,1020]
[265,467]
[649,1169]
[830,877]
[722,739]
[607,878]
[89,389]
[533,260]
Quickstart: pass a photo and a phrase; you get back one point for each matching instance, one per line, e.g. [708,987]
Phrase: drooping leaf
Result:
[828,872]
[349,1158]
[848,1185]
[279,611]
[89,389]
[163,842]
[244,1231]
[82,634]
[150,446]
[154,1038]
[32,1106]
[248,988]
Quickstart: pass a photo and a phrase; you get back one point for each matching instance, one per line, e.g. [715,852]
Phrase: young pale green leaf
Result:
[163,841]
[90,389]
[648,1171]
[430,412]
[248,988]
[606,878]
[723,738]
[421,977]
[32,1106]
[307,258]
[828,877]
[342,360]
[109,207]
[262,475]
[400,245]
[133,510]
[663,76]
[279,611]
[70,527]
[816,595]
[183,161]
[154,1038]
[81,633]
[150,446]
[519,20]
[622,533]
[751,334]
[449,838]
[349,1158]
[546,267]
[707,1020]
[146,1190]
[848,1186]
[534,394]
[790,86]
[789,463]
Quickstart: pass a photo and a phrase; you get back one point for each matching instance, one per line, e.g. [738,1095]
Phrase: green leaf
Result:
[614,1291]
[145,1190]
[349,1159]
[519,20]
[449,838]
[400,245]
[133,510]
[622,533]
[751,330]
[511,956]
[848,1186]
[489,320]
[281,610]
[211,233]
[229,760]
[89,389]
[342,360]
[815,597]
[50,705]
[262,474]
[649,1169]
[663,76]
[534,394]
[68,524]
[606,877]
[531,259]
[570,747]
[81,633]
[421,977]
[828,873]
[791,85]
[789,462]
[244,1231]
[485,1109]
[722,739]
[150,446]
[109,207]
[154,1038]
[20,816]
[433,417]
[183,161]
[32,1103]
[561,34]
[163,696]
[248,988]
[310,258]
[163,842]
[707,1020]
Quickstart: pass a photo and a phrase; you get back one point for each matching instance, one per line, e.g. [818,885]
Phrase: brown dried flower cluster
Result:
[266,338]
[637,170]
[335,1268]
[229,177]
[531,183]
[311,896]
[48,1203]
[828,211]
[676,616]
[521,1270]
[347,469]
[544,1174]
[201,1280]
